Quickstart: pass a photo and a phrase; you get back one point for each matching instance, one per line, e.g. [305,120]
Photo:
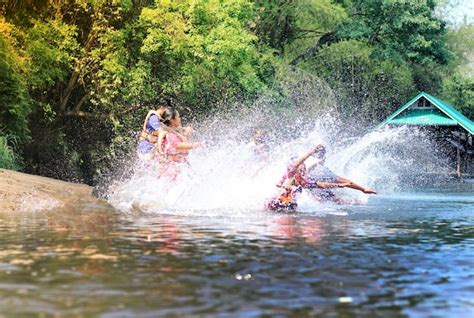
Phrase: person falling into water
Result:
[294,181]
[320,173]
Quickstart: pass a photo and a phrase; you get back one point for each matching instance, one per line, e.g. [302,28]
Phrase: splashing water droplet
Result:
[345,300]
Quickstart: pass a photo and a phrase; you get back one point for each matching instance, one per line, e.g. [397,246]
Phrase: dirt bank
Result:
[23,192]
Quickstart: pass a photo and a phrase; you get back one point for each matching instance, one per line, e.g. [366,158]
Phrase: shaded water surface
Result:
[405,254]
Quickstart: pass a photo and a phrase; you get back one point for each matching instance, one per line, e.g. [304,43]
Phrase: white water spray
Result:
[226,175]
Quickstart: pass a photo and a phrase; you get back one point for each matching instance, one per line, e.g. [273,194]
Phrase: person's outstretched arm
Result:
[185,146]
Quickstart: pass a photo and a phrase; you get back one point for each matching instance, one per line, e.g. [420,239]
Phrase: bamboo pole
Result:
[458,155]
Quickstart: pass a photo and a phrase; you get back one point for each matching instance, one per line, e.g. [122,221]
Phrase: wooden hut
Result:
[449,125]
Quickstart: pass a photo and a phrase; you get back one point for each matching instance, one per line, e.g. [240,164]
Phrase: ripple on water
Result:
[367,262]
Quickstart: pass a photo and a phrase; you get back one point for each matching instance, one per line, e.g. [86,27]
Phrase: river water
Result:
[402,254]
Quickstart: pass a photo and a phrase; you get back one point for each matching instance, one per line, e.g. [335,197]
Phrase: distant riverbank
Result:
[20,192]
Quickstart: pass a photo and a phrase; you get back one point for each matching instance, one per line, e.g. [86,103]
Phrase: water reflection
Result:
[164,230]
[393,257]
[289,227]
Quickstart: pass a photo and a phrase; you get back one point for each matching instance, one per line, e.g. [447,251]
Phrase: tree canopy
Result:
[77,76]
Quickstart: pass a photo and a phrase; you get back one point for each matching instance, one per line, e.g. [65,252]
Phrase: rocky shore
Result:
[20,192]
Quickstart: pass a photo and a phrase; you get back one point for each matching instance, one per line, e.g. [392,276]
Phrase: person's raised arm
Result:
[298,162]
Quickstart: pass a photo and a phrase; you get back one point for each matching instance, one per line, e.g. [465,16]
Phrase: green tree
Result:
[406,43]
[14,105]
[398,29]
[459,91]
[366,89]
[458,79]
[286,24]
[204,50]
[14,99]
[80,74]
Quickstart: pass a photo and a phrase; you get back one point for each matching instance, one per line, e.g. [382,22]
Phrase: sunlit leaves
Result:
[205,44]
[14,99]
[398,28]
[51,46]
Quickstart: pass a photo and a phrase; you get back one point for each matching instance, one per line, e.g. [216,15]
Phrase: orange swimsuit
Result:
[291,184]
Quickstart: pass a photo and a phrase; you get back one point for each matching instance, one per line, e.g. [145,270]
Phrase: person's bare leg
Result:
[353,185]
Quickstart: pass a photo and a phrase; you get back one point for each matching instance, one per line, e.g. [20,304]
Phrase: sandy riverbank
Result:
[23,192]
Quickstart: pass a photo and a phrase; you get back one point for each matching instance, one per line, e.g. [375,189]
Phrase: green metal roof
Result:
[443,115]
[431,117]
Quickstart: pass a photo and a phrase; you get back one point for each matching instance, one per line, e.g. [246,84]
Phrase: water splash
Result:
[227,176]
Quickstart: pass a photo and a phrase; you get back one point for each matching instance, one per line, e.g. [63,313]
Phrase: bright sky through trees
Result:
[458,12]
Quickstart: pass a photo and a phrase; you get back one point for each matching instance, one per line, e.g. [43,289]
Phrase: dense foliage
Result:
[77,76]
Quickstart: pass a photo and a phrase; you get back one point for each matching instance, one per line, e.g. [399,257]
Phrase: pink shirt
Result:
[170,144]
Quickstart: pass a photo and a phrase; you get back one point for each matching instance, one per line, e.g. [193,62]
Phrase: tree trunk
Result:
[81,102]
[67,91]
[72,84]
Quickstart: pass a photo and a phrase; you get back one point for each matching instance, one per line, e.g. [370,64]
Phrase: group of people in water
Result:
[164,139]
